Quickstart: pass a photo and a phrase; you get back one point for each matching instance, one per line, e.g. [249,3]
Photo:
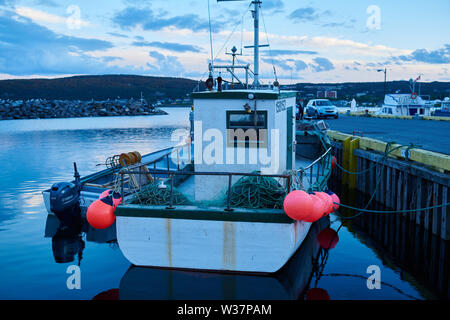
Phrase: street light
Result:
[383,70]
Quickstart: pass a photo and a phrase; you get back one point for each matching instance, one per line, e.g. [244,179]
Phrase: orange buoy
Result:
[105,194]
[298,205]
[333,162]
[117,198]
[328,201]
[100,213]
[317,294]
[318,209]
[125,159]
[336,201]
[328,238]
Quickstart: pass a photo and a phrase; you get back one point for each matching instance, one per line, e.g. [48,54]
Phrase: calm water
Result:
[36,153]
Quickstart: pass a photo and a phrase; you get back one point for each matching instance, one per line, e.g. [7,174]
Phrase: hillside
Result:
[155,88]
[97,88]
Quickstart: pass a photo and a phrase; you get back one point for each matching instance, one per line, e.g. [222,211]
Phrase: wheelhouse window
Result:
[246,129]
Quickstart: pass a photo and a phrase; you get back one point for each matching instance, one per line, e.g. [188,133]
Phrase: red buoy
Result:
[100,213]
[105,194]
[336,201]
[318,209]
[328,201]
[317,294]
[328,238]
[298,205]
[333,162]
[117,198]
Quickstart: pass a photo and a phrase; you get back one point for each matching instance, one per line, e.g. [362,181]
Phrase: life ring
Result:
[414,96]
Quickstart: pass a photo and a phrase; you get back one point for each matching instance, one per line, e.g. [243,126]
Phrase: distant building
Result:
[331,94]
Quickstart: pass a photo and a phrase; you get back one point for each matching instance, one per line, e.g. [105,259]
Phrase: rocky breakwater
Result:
[46,109]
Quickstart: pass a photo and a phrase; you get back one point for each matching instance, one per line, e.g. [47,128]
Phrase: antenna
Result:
[256,46]
[233,53]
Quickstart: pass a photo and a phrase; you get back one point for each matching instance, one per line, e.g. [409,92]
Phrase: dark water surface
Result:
[34,255]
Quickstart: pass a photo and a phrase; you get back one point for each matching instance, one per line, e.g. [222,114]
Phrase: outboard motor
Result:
[65,198]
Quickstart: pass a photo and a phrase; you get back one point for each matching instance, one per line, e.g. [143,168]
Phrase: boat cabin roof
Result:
[244,94]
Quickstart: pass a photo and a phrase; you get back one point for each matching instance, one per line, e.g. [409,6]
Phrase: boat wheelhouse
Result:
[405,105]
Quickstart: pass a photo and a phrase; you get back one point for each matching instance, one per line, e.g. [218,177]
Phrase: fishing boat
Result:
[401,104]
[215,200]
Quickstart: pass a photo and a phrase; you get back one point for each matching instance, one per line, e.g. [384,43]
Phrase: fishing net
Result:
[154,194]
[256,192]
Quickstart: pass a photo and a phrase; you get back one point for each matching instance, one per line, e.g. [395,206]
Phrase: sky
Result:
[309,41]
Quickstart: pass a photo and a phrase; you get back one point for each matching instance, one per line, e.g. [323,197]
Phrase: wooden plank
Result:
[436,217]
[445,216]
[404,195]
[382,184]
[419,196]
[398,192]
[409,167]
[427,213]
[387,200]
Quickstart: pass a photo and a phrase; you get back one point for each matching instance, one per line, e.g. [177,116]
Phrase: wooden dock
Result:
[407,179]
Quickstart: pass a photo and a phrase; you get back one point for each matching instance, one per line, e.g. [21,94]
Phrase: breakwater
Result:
[46,109]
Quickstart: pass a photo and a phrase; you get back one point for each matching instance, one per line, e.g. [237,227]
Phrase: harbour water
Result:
[37,153]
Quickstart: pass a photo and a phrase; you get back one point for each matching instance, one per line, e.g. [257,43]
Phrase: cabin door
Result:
[289,118]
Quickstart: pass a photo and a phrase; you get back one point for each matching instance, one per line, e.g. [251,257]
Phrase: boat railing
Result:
[171,174]
[319,172]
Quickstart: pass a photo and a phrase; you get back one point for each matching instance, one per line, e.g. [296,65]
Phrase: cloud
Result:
[321,64]
[27,48]
[165,64]
[440,56]
[307,14]
[147,19]
[177,47]
[300,65]
[42,16]
[118,35]
[288,52]
[273,5]
[7,3]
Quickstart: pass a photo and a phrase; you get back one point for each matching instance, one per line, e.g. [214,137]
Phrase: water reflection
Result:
[143,283]
[291,282]
[420,257]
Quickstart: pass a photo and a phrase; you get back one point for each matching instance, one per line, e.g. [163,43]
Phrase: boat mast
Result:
[255,13]
[257,4]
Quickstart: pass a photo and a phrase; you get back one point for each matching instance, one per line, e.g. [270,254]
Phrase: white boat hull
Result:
[209,244]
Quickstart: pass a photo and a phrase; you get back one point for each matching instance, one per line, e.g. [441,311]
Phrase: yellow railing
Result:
[437,161]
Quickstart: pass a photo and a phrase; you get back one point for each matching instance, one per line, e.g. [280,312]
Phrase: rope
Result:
[152,194]
[257,192]
[270,48]
[210,35]
[389,211]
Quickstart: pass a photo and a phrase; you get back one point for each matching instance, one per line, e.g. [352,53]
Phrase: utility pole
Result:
[385,71]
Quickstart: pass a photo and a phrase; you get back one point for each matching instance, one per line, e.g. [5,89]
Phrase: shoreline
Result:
[65,109]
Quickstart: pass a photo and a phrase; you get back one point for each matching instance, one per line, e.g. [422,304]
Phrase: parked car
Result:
[321,108]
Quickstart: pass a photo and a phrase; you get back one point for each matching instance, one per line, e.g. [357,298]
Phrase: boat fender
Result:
[298,205]
[100,213]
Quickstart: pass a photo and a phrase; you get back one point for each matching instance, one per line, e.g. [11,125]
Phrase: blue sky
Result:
[310,41]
